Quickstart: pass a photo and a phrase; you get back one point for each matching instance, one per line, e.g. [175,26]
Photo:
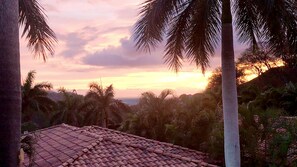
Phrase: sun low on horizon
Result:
[95,45]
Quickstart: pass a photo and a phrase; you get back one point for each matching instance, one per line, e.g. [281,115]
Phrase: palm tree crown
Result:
[101,108]
[41,38]
[192,27]
[101,99]
[68,108]
[34,98]
[152,115]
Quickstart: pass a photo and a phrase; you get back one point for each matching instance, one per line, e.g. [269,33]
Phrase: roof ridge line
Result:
[86,129]
[51,127]
[69,126]
[158,151]
[143,138]
[83,151]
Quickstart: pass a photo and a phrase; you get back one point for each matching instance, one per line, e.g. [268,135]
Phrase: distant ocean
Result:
[130,101]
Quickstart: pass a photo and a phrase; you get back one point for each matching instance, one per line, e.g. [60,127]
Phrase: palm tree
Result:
[101,99]
[100,108]
[156,112]
[41,39]
[34,98]
[192,27]
[119,111]
[68,109]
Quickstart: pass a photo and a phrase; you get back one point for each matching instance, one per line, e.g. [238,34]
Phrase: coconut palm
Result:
[40,39]
[100,107]
[119,111]
[192,29]
[34,99]
[156,112]
[68,109]
[101,100]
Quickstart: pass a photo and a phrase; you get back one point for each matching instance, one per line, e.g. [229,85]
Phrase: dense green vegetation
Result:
[268,126]
[43,108]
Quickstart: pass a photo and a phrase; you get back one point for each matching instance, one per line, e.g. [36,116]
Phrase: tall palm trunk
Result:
[10,93]
[230,106]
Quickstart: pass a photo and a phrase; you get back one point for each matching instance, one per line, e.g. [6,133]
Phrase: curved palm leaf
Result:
[99,102]
[36,105]
[165,93]
[277,23]
[29,81]
[92,110]
[197,40]
[41,38]
[193,28]
[149,29]
[69,108]
[247,21]
[204,32]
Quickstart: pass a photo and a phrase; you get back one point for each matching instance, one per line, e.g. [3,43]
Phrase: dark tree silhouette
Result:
[192,29]
[35,101]
[40,39]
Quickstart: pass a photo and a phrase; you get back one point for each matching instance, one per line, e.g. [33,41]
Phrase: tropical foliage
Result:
[267,130]
[41,38]
[28,147]
[68,108]
[102,109]
[36,105]
[257,60]
[192,30]
[152,116]
[42,110]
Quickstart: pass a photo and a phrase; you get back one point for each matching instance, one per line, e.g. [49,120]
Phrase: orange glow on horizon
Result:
[251,74]
[133,84]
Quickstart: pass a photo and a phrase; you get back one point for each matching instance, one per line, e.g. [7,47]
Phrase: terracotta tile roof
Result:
[92,146]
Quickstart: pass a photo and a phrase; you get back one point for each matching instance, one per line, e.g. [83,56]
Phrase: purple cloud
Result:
[75,42]
[125,55]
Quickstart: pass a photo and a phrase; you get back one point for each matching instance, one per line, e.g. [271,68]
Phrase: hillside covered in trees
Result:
[267,107]
[267,111]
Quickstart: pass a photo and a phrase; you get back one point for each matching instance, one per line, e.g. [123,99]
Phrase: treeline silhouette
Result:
[268,127]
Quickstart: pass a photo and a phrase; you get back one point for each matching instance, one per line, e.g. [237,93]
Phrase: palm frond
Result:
[246,20]
[165,93]
[109,92]
[192,27]
[150,28]
[41,38]
[92,96]
[278,22]
[90,104]
[44,86]
[148,101]
[62,90]
[204,32]
[177,35]
[29,81]
[95,87]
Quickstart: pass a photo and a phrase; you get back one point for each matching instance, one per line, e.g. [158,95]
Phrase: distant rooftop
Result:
[93,146]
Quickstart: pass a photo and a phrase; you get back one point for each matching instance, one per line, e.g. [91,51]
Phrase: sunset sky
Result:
[94,45]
